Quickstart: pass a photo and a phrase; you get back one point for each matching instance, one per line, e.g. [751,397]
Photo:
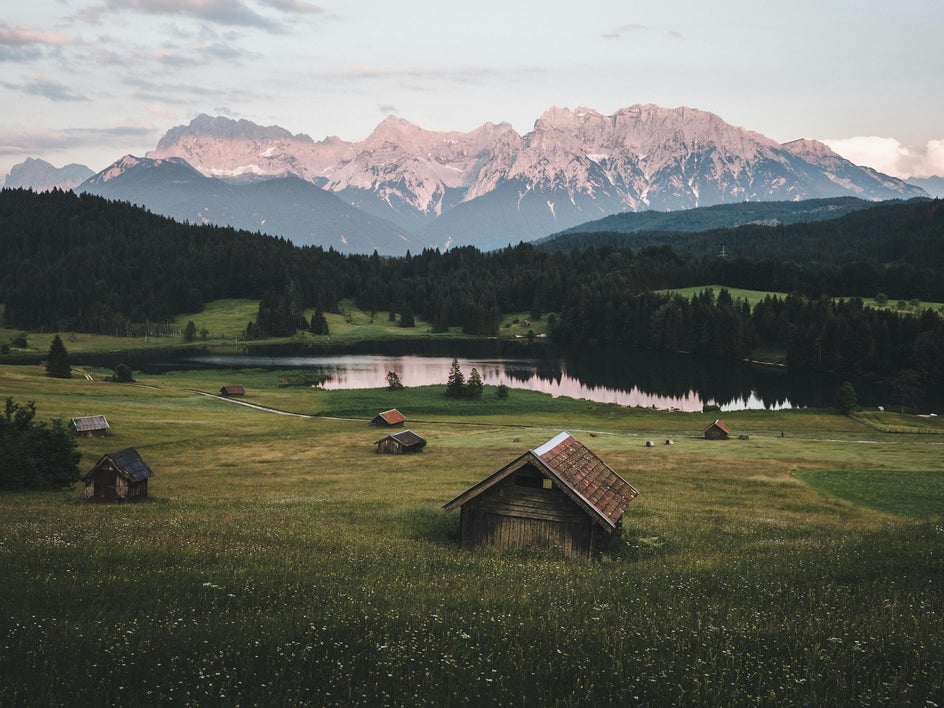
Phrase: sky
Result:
[89,81]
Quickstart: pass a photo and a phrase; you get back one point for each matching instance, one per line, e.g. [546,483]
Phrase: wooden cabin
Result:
[118,476]
[90,426]
[559,496]
[233,390]
[399,443]
[389,419]
[717,431]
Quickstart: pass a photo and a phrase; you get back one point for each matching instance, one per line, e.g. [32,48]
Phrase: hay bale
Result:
[649,443]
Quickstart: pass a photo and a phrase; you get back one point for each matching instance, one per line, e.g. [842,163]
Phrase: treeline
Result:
[897,249]
[72,262]
[820,333]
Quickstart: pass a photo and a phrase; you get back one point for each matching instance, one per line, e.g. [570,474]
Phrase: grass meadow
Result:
[280,561]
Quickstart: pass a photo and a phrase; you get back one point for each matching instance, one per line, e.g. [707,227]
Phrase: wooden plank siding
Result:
[559,496]
[514,514]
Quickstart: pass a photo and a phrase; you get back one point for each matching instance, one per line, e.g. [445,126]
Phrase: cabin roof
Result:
[407,438]
[128,462]
[391,417]
[89,423]
[720,426]
[233,390]
[582,475]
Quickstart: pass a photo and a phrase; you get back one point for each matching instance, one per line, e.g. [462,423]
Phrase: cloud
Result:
[40,142]
[223,12]
[52,90]
[294,6]
[24,44]
[23,36]
[891,157]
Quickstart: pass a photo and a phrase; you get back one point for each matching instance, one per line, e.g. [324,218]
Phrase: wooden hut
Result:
[389,419]
[717,431]
[559,496]
[399,443]
[118,476]
[90,426]
[232,390]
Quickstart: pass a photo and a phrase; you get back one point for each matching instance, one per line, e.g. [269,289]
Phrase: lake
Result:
[626,378]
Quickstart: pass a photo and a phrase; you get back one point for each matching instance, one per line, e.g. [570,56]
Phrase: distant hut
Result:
[118,476]
[389,419]
[233,390]
[559,496]
[90,426]
[399,443]
[717,431]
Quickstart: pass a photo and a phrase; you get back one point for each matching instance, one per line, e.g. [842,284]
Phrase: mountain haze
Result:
[491,186]
[281,206]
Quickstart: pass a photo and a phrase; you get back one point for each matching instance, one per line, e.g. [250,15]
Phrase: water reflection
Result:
[671,382]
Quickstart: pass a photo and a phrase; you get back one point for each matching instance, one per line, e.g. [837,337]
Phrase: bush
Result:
[35,456]
[123,374]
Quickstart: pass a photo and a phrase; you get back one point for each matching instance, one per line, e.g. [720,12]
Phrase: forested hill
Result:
[721,216]
[881,235]
[82,263]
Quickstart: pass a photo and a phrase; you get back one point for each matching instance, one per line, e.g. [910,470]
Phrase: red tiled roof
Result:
[721,426]
[584,477]
[392,417]
[587,475]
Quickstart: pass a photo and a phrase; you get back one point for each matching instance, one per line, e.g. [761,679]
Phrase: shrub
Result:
[35,456]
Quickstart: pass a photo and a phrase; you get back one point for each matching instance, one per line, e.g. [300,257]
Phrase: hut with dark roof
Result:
[559,496]
[232,390]
[90,426]
[118,476]
[717,431]
[399,443]
[389,419]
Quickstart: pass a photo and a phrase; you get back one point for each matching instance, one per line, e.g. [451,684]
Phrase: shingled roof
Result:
[407,438]
[89,423]
[391,417]
[583,476]
[129,463]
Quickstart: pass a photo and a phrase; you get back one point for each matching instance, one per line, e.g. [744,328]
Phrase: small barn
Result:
[90,426]
[717,431]
[232,390]
[559,496]
[389,419]
[118,476]
[399,443]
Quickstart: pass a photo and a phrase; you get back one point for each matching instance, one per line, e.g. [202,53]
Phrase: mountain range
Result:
[404,187]
[41,176]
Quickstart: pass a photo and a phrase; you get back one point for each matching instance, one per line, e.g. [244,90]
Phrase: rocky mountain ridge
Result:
[488,187]
[574,166]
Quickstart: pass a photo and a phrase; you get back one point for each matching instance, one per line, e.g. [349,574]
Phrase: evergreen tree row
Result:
[71,262]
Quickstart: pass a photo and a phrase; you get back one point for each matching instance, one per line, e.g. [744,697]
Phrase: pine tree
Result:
[455,384]
[473,389]
[57,361]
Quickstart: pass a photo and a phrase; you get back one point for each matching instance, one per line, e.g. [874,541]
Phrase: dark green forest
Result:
[71,262]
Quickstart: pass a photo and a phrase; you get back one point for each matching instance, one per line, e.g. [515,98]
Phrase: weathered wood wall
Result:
[519,513]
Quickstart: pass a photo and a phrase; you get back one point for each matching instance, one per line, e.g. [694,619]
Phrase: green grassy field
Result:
[755,296]
[280,561]
[224,323]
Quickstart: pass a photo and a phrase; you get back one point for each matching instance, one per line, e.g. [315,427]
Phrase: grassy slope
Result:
[755,296]
[226,320]
[281,560]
